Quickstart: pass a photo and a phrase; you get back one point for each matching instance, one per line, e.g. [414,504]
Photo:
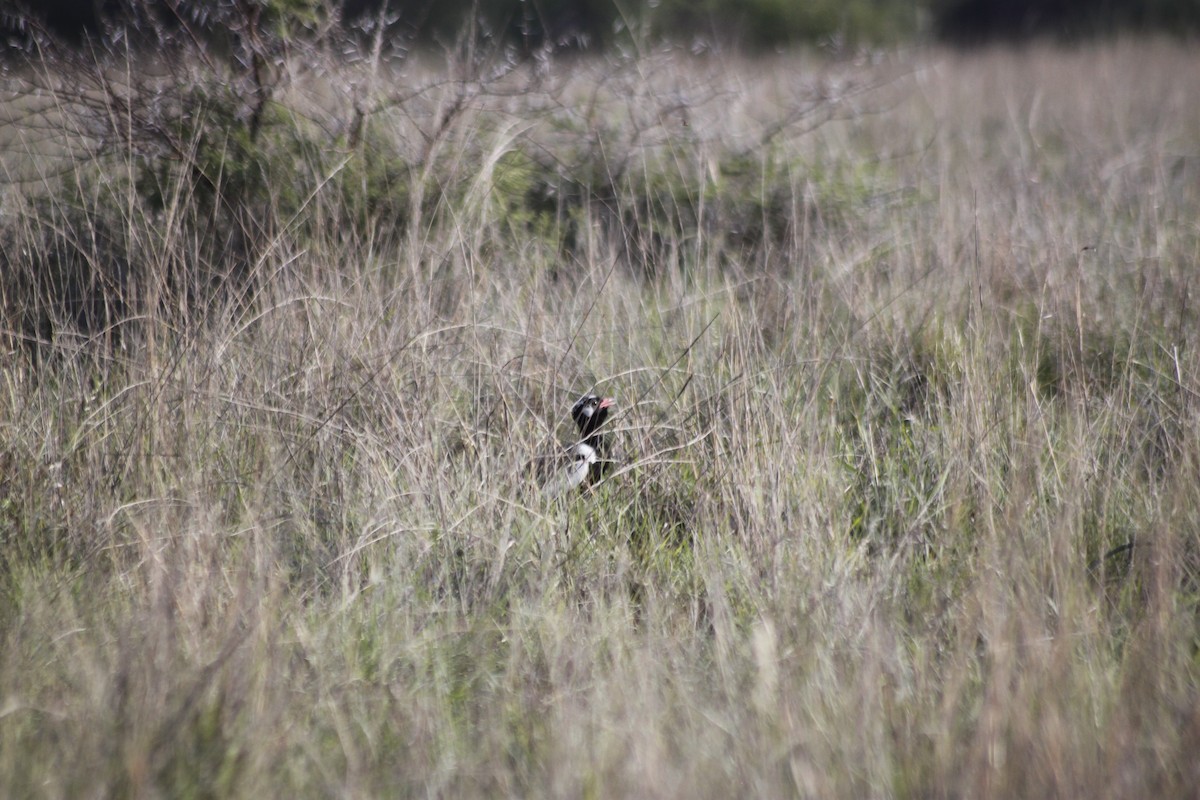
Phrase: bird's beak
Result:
[606,402]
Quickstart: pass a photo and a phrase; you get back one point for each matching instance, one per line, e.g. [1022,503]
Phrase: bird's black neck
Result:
[597,441]
[589,431]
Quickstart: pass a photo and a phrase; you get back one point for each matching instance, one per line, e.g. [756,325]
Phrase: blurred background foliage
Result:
[754,24]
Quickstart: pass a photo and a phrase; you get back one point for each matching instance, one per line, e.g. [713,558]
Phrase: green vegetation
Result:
[903,353]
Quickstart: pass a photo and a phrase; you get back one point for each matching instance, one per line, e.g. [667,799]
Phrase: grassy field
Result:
[903,351]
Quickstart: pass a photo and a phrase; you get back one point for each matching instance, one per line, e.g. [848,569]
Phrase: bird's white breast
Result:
[581,457]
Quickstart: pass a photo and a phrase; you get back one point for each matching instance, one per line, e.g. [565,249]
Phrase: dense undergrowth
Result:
[903,357]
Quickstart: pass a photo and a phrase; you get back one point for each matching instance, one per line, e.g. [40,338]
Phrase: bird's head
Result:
[590,412]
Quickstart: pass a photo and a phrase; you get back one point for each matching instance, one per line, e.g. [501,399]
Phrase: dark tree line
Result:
[976,20]
[593,23]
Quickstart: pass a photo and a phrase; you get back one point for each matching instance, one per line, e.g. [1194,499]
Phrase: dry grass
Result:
[925,359]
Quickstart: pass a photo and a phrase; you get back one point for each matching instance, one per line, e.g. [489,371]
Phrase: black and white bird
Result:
[588,459]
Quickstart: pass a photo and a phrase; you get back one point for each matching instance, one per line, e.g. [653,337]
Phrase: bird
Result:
[586,461]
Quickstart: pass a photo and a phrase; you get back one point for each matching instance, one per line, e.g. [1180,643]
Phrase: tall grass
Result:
[903,353]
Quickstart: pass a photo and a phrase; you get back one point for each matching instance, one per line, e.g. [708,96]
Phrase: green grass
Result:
[903,358]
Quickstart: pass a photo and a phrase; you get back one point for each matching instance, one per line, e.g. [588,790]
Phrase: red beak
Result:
[605,403]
